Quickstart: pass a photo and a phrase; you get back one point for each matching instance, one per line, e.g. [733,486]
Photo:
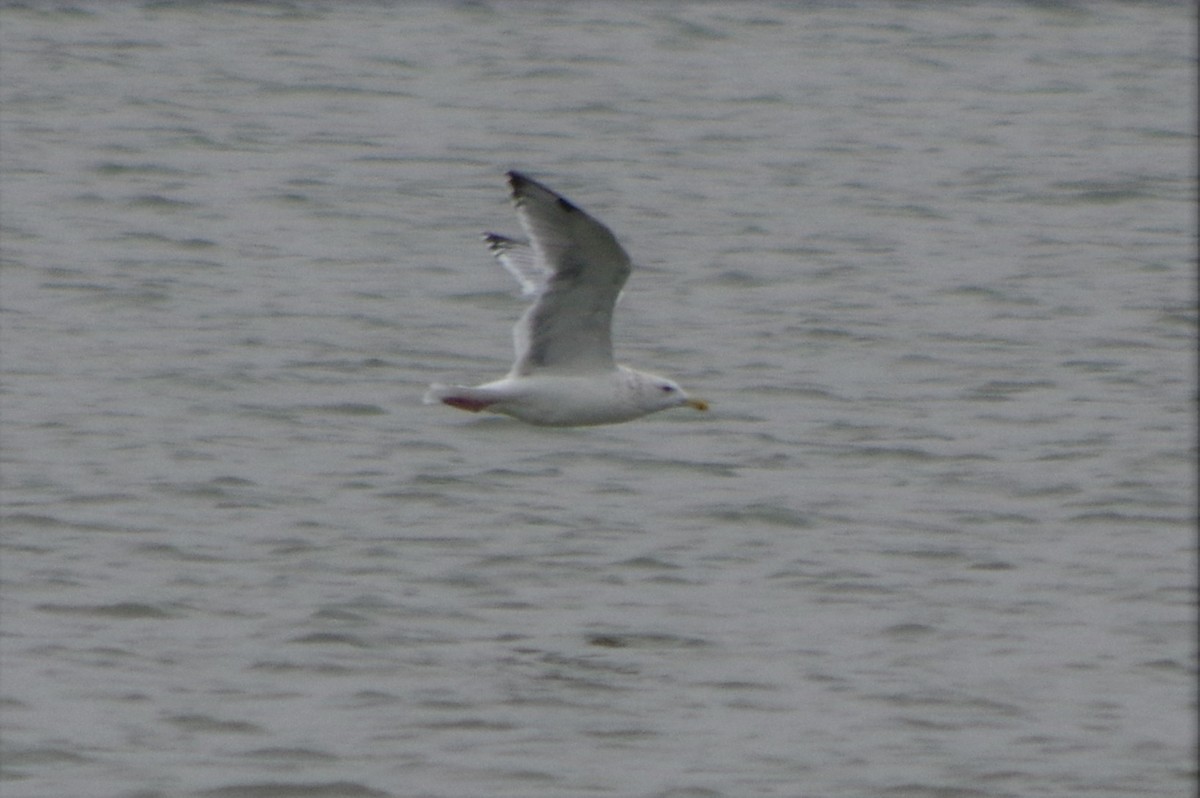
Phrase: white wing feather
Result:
[519,259]
[568,330]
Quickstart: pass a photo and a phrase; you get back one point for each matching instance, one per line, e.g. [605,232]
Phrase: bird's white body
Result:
[564,374]
[621,394]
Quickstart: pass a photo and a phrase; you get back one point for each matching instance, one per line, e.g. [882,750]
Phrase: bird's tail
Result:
[435,393]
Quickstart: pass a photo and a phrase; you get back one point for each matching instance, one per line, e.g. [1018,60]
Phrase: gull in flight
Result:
[564,374]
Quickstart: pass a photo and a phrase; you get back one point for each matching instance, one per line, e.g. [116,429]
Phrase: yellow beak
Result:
[699,404]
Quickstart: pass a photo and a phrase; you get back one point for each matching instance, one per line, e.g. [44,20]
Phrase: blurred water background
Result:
[932,263]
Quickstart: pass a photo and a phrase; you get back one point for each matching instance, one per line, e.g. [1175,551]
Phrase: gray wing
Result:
[569,328]
[520,260]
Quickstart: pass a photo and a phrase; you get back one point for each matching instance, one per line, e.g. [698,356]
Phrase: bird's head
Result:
[661,394]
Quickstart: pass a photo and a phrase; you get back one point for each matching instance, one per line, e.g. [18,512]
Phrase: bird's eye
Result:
[667,389]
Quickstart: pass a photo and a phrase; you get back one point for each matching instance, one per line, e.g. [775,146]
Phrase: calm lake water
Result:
[932,264]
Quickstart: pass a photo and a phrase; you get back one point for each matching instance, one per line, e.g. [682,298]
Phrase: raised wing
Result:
[569,328]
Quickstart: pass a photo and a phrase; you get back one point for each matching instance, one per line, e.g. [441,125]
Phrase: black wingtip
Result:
[496,242]
[518,182]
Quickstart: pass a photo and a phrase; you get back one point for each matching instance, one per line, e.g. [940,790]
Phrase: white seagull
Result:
[564,374]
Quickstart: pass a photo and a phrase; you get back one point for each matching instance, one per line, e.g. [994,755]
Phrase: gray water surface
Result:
[931,263]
